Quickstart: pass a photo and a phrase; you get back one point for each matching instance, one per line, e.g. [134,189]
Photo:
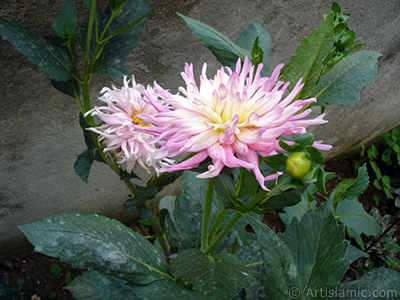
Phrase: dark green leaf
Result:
[127,27]
[86,133]
[286,198]
[315,154]
[380,284]
[224,190]
[343,83]
[83,164]
[50,59]
[354,253]
[248,182]
[336,8]
[69,87]
[165,290]
[277,161]
[99,242]
[226,51]
[318,247]
[65,24]
[97,286]
[257,54]
[308,61]
[305,140]
[124,175]
[352,214]
[289,148]
[250,255]
[280,269]
[352,188]
[247,38]
[298,210]
[133,206]
[184,218]
[219,276]
[145,193]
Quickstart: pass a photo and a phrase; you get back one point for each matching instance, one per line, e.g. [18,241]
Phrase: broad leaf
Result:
[50,59]
[298,210]
[219,276]
[249,35]
[310,255]
[250,255]
[308,60]
[318,248]
[95,241]
[65,24]
[352,214]
[165,290]
[97,286]
[381,283]
[183,222]
[226,51]
[343,83]
[352,188]
[280,269]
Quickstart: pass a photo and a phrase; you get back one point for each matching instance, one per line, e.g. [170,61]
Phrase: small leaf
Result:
[277,161]
[343,83]
[246,41]
[315,154]
[133,206]
[83,164]
[95,241]
[257,54]
[50,59]
[308,60]
[210,274]
[352,214]
[354,253]
[226,51]
[65,24]
[352,188]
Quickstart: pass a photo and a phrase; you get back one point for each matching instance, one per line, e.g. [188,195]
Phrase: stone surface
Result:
[40,135]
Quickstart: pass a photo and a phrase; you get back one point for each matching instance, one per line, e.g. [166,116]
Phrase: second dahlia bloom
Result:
[120,132]
[231,119]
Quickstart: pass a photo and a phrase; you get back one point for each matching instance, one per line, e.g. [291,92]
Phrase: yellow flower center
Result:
[138,121]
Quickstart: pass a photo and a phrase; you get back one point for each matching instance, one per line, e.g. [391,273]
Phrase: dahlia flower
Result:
[231,119]
[119,132]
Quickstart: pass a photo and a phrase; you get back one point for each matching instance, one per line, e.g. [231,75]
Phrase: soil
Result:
[39,277]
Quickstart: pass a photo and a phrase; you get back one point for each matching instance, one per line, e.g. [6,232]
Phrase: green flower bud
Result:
[298,165]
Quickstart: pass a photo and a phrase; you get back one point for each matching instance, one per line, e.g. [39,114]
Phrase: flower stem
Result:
[207,215]
[216,224]
[236,217]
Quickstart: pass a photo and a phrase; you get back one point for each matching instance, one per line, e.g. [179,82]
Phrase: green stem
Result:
[86,94]
[89,35]
[236,217]
[216,224]
[160,237]
[207,215]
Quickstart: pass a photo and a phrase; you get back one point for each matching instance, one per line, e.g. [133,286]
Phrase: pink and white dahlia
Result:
[231,119]
[120,132]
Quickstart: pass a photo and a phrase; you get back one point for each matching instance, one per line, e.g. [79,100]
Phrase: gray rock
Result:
[41,138]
